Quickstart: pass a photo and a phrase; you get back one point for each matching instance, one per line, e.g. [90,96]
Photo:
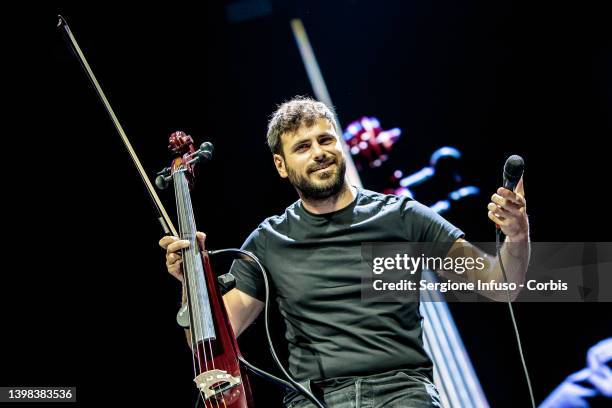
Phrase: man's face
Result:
[313,160]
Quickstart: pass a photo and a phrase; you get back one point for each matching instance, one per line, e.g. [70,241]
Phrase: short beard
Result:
[311,191]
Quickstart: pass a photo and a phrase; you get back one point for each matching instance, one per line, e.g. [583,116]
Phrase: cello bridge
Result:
[214,382]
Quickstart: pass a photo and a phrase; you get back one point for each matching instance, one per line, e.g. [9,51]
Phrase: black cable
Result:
[297,386]
[280,382]
[198,399]
[516,331]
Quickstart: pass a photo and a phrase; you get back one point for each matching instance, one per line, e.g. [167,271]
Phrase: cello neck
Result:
[193,268]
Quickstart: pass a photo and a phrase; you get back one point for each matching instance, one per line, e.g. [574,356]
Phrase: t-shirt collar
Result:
[330,215]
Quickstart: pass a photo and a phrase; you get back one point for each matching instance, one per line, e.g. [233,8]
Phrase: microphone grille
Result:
[513,169]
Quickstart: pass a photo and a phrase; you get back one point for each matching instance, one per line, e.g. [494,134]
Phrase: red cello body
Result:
[224,354]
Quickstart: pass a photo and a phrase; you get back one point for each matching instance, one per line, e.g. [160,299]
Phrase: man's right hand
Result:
[173,247]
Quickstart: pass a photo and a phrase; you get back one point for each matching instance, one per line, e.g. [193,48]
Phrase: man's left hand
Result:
[508,210]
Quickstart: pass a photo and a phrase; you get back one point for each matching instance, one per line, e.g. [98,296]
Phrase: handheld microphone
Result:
[513,170]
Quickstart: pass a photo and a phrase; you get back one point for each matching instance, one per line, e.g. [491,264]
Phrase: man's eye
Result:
[327,140]
[301,147]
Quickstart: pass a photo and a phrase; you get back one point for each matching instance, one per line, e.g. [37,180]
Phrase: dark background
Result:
[85,297]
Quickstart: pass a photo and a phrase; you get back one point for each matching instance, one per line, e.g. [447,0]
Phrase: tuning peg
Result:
[206,150]
[163,178]
[204,153]
[162,182]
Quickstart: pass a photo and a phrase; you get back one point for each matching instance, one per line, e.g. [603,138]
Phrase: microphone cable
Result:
[509,301]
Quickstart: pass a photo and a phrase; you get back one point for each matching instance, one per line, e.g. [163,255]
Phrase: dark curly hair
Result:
[291,115]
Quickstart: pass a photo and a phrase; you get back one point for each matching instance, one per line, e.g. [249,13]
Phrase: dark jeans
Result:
[393,389]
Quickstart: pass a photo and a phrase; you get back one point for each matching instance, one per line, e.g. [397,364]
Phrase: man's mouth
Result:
[321,167]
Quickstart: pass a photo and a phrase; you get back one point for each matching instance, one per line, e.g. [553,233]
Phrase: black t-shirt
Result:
[314,262]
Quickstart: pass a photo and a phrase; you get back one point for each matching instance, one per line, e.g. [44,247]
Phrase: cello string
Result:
[188,269]
[176,179]
[186,214]
[209,318]
[198,262]
[179,179]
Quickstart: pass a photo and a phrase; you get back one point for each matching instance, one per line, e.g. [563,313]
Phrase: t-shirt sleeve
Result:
[247,273]
[425,225]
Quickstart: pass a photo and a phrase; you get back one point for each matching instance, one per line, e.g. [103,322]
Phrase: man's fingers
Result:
[506,205]
[501,221]
[520,188]
[177,245]
[511,196]
[173,244]
[172,258]
[201,239]
[499,211]
[498,199]
[167,240]
[174,265]
[176,270]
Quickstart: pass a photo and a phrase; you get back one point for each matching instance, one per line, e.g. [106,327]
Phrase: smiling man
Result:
[348,350]
[307,150]
[318,177]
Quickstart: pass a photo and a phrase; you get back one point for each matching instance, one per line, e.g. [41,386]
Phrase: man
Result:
[348,350]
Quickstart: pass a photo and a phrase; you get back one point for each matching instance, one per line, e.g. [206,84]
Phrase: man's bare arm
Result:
[242,309]
[507,210]
[515,258]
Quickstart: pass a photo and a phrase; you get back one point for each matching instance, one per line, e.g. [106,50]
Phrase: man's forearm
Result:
[515,254]
[515,257]
[241,310]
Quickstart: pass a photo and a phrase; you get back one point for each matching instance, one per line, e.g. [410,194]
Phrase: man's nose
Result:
[317,152]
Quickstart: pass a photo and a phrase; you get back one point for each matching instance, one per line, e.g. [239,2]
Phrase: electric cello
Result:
[218,374]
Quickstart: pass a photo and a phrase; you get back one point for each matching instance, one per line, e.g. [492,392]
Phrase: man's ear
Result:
[279,162]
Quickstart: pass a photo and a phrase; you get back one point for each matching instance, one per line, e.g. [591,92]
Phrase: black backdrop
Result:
[86,301]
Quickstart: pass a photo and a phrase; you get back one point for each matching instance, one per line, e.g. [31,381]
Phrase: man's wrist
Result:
[516,245]
[517,238]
